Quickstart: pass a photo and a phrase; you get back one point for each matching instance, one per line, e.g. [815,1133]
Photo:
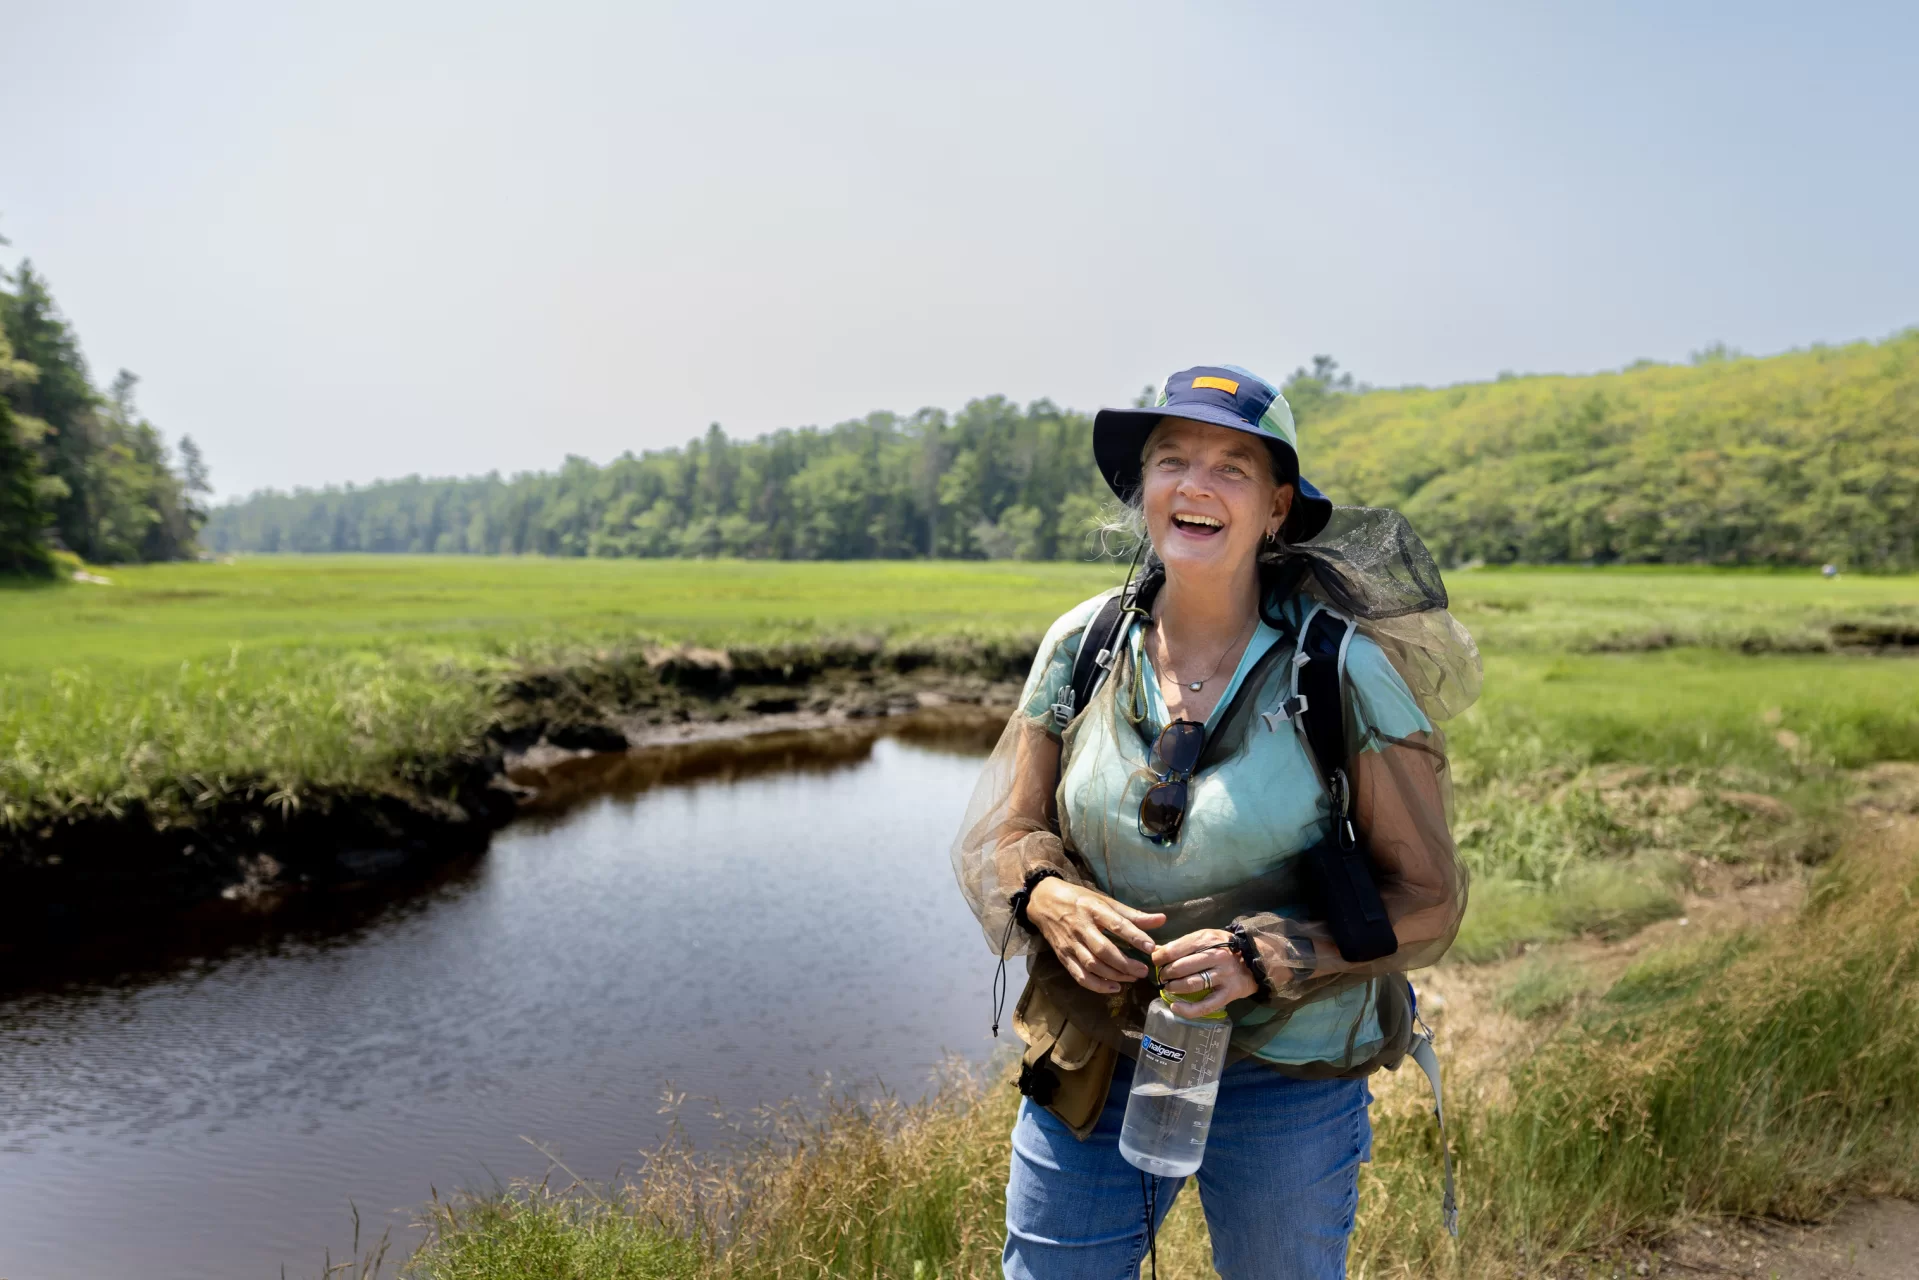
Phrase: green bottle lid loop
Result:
[1174,999]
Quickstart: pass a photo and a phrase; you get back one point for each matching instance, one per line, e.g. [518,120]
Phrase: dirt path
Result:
[1463,1002]
[1871,1240]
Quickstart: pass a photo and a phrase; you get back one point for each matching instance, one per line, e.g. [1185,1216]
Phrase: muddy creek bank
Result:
[658,716]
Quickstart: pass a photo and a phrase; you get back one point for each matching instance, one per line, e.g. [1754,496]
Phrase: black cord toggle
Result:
[1017,916]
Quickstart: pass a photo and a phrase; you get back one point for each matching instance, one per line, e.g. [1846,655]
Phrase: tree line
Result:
[995,479]
[80,469]
[1802,458]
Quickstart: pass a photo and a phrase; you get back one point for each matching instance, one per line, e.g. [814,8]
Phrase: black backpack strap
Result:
[1230,730]
[1095,641]
[1340,867]
[1098,646]
[1322,713]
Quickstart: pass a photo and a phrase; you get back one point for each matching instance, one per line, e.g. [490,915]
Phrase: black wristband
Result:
[1248,949]
[1025,895]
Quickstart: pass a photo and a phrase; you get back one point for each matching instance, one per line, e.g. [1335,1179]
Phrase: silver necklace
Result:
[1197,685]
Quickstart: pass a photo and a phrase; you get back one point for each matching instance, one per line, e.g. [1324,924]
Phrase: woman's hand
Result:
[1079,924]
[1204,961]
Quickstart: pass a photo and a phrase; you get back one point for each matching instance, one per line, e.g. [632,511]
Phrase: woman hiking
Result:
[1156,819]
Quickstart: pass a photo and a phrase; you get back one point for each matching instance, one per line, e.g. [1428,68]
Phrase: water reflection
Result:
[134,953]
[738,937]
[963,731]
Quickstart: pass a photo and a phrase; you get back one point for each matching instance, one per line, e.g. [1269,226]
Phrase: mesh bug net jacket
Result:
[1067,799]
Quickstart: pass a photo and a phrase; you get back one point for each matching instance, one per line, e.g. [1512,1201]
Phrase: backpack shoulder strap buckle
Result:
[1285,711]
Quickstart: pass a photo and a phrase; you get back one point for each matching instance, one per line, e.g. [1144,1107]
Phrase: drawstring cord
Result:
[1017,916]
[1149,1194]
[999,974]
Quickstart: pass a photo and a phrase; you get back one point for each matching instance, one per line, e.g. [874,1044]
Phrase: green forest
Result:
[1803,458]
[1806,458]
[80,470]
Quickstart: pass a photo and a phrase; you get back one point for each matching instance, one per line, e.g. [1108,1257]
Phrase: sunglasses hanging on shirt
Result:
[1175,755]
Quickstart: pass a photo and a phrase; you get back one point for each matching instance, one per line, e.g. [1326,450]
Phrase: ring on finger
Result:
[1205,979]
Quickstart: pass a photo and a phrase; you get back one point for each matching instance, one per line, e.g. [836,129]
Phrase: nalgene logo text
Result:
[1163,1052]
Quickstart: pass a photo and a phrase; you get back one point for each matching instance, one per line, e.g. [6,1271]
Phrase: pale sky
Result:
[350,240]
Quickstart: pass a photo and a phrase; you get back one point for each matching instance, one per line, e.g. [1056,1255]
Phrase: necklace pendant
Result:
[1197,685]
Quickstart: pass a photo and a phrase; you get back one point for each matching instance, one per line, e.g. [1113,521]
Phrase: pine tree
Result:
[196,480]
[23,516]
[61,398]
[99,469]
[23,490]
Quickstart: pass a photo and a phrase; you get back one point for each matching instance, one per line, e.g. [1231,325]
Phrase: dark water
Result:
[743,940]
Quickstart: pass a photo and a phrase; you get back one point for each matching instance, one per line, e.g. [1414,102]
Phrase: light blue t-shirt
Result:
[1245,817]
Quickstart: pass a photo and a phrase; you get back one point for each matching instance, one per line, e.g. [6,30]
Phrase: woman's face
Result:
[1209,496]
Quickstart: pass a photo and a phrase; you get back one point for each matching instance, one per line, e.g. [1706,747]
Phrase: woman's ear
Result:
[1282,507]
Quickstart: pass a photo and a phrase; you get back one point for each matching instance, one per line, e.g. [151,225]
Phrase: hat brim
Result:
[1119,437]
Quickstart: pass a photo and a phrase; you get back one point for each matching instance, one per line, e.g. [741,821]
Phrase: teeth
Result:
[1208,521]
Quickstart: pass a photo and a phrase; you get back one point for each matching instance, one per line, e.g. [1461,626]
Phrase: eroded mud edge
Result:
[559,736]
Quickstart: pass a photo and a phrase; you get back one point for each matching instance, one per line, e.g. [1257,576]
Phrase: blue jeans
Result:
[1279,1183]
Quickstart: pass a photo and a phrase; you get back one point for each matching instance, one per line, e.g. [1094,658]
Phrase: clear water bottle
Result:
[1175,1085]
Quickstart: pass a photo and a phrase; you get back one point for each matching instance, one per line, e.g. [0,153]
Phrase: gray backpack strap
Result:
[1429,1063]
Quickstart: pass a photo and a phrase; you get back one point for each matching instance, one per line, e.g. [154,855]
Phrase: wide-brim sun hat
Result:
[1222,395]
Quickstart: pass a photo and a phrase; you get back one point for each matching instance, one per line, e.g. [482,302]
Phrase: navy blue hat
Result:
[1223,395]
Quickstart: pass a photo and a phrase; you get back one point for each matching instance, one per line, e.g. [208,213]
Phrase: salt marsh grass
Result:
[487,607]
[1589,784]
[281,675]
[1633,610]
[181,683]
[1763,1072]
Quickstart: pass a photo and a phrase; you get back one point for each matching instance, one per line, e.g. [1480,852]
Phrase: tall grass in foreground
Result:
[1753,1072]
[1768,1071]
[878,1188]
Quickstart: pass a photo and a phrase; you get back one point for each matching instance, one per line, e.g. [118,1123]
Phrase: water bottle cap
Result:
[1174,999]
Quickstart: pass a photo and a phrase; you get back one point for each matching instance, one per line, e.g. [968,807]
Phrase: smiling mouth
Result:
[1197,526]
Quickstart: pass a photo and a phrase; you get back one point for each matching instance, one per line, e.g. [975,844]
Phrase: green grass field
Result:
[179,684]
[484,609]
[183,682]
[461,607]
[290,673]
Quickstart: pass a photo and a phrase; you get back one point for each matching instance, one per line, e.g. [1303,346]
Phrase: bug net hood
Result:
[1066,800]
